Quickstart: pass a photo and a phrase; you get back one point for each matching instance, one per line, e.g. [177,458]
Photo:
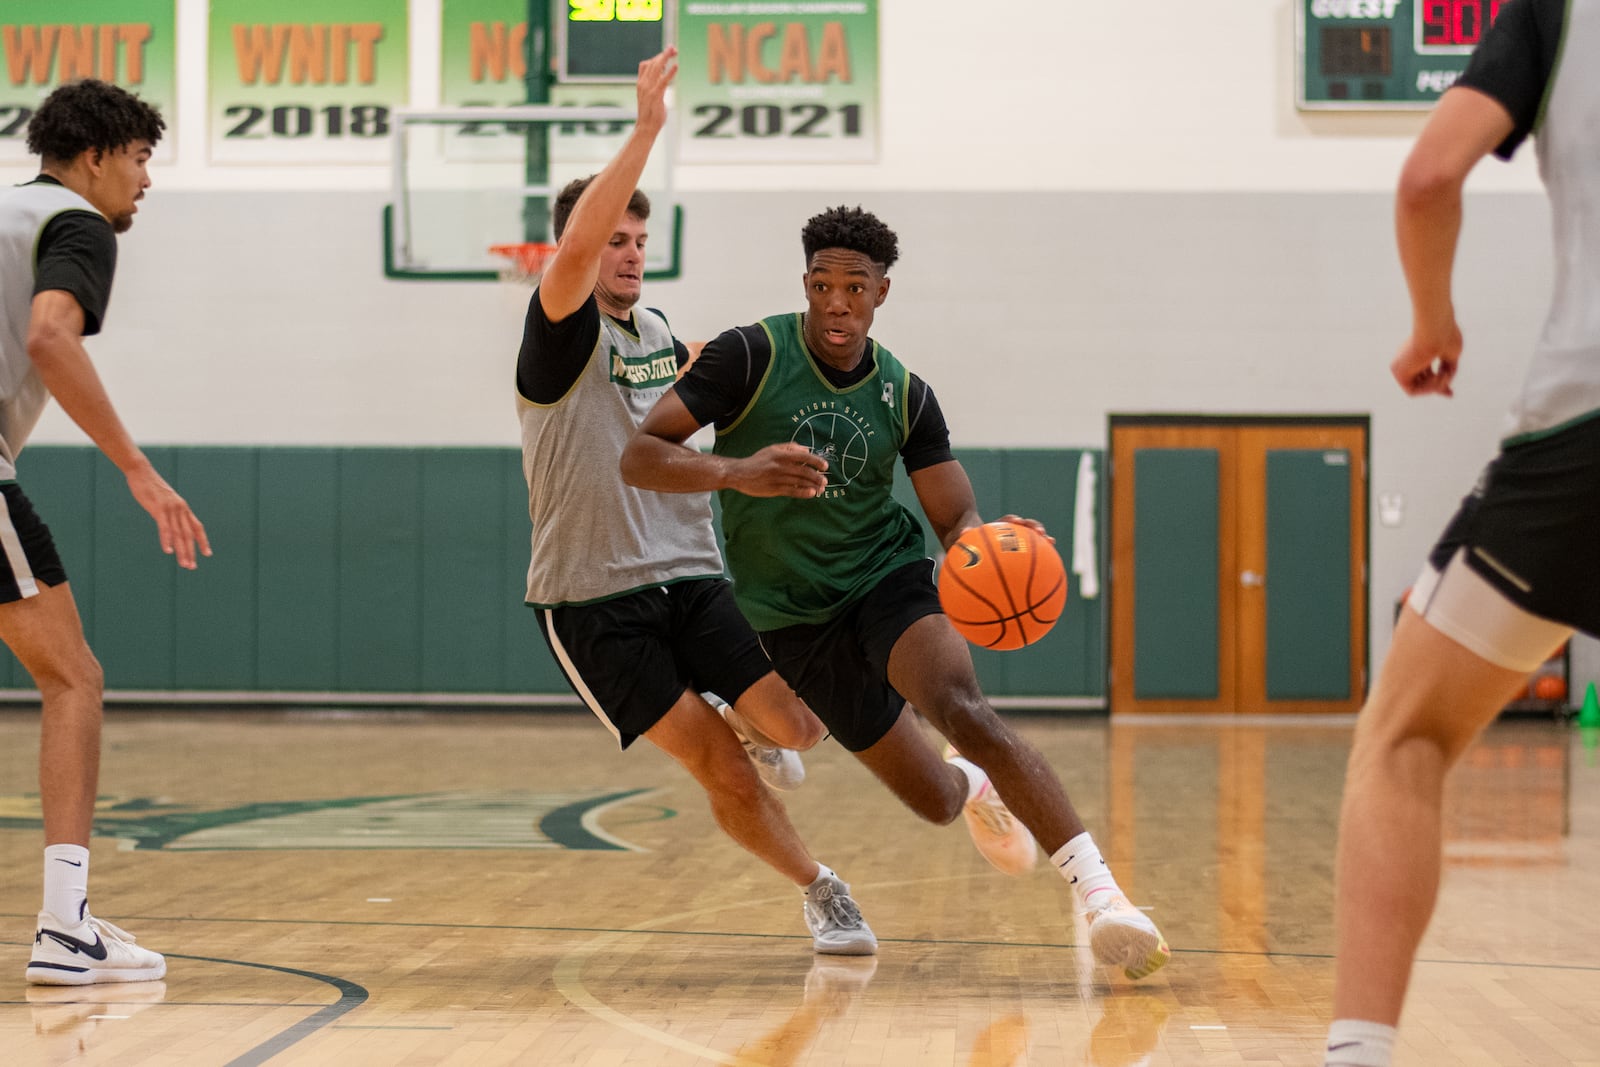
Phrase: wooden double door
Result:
[1238,578]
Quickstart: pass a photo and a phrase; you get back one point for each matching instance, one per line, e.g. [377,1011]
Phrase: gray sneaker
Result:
[837,928]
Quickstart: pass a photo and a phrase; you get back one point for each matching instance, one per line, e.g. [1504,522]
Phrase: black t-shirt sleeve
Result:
[554,353]
[1515,61]
[78,255]
[927,435]
[723,380]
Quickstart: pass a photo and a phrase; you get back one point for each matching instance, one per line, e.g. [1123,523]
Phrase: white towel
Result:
[1085,531]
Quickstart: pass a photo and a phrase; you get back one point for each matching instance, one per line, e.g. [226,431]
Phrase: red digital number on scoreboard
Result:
[1454,23]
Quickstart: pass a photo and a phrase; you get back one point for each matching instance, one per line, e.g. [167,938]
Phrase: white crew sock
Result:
[975,776]
[66,882]
[1358,1043]
[1081,864]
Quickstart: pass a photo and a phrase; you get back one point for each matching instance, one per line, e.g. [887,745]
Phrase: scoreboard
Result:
[604,41]
[1385,54]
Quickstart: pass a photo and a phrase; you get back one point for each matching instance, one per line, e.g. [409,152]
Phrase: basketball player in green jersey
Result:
[629,585]
[811,414]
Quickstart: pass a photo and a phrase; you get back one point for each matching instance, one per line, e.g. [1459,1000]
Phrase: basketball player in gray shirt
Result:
[1515,572]
[629,584]
[58,251]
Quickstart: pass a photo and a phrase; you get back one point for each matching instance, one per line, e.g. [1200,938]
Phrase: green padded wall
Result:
[401,571]
[1175,526]
[1308,574]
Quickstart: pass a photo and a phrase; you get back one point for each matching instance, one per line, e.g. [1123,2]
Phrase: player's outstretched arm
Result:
[570,276]
[657,458]
[1464,127]
[55,344]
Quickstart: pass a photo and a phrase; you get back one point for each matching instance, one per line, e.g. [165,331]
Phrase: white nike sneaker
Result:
[89,952]
[835,922]
[1123,936]
[780,768]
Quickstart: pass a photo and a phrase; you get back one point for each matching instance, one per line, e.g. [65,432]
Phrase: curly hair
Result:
[90,114]
[852,228]
[567,199]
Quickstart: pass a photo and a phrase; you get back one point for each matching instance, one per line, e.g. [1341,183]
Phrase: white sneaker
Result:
[1123,936]
[89,952]
[780,768]
[836,925]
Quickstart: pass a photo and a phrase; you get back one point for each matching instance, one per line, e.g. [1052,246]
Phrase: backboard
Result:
[465,179]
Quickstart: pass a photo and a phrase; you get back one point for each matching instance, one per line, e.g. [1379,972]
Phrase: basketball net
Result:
[525,262]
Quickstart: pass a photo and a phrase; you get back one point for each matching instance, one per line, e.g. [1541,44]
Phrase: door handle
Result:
[1252,580]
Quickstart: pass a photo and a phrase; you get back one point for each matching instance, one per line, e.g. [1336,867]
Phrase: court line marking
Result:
[1262,954]
[351,997]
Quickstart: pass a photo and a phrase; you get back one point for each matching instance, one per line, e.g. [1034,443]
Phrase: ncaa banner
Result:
[778,81]
[46,43]
[305,81]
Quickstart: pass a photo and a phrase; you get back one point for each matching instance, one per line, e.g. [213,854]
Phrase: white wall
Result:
[1137,220]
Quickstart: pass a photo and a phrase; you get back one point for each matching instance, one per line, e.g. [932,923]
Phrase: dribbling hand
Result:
[780,470]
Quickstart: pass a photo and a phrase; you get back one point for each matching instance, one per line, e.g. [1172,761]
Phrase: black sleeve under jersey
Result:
[554,353]
[723,380]
[927,435]
[680,351]
[78,255]
[1515,61]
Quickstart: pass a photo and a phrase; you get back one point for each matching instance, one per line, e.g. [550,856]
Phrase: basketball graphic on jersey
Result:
[835,438]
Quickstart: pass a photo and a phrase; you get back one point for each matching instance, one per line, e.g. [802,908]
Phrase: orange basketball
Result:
[1002,586]
[1549,687]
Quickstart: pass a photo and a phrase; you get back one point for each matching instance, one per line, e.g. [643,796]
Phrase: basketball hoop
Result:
[525,262]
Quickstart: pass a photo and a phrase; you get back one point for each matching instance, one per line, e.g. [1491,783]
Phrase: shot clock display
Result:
[606,40]
[1385,54]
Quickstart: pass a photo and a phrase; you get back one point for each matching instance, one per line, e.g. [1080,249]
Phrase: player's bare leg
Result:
[696,736]
[1431,699]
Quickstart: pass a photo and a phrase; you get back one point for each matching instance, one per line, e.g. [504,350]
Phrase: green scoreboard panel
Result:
[1385,54]
[606,40]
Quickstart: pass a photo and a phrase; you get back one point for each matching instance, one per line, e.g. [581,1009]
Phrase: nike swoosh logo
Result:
[69,863]
[1343,1045]
[973,558]
[96,951]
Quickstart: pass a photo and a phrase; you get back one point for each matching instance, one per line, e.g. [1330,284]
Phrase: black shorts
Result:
[1531,525]
[841,667]
[28,557]
[632,657]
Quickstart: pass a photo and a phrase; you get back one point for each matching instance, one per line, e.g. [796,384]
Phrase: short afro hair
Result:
[852,228]
[89,115]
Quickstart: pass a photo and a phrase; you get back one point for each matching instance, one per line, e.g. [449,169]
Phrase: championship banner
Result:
[778,81]
[130,43]
[483,59]
[313,82]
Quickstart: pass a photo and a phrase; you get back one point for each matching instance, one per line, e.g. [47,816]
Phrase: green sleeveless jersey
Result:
[803,561]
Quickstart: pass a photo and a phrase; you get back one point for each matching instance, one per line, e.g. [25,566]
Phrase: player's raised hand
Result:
[176,525]
[787,469]
[1427,361]
[655,75]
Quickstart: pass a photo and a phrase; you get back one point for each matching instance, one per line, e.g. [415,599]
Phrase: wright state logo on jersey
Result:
[839,434]
[651,371]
